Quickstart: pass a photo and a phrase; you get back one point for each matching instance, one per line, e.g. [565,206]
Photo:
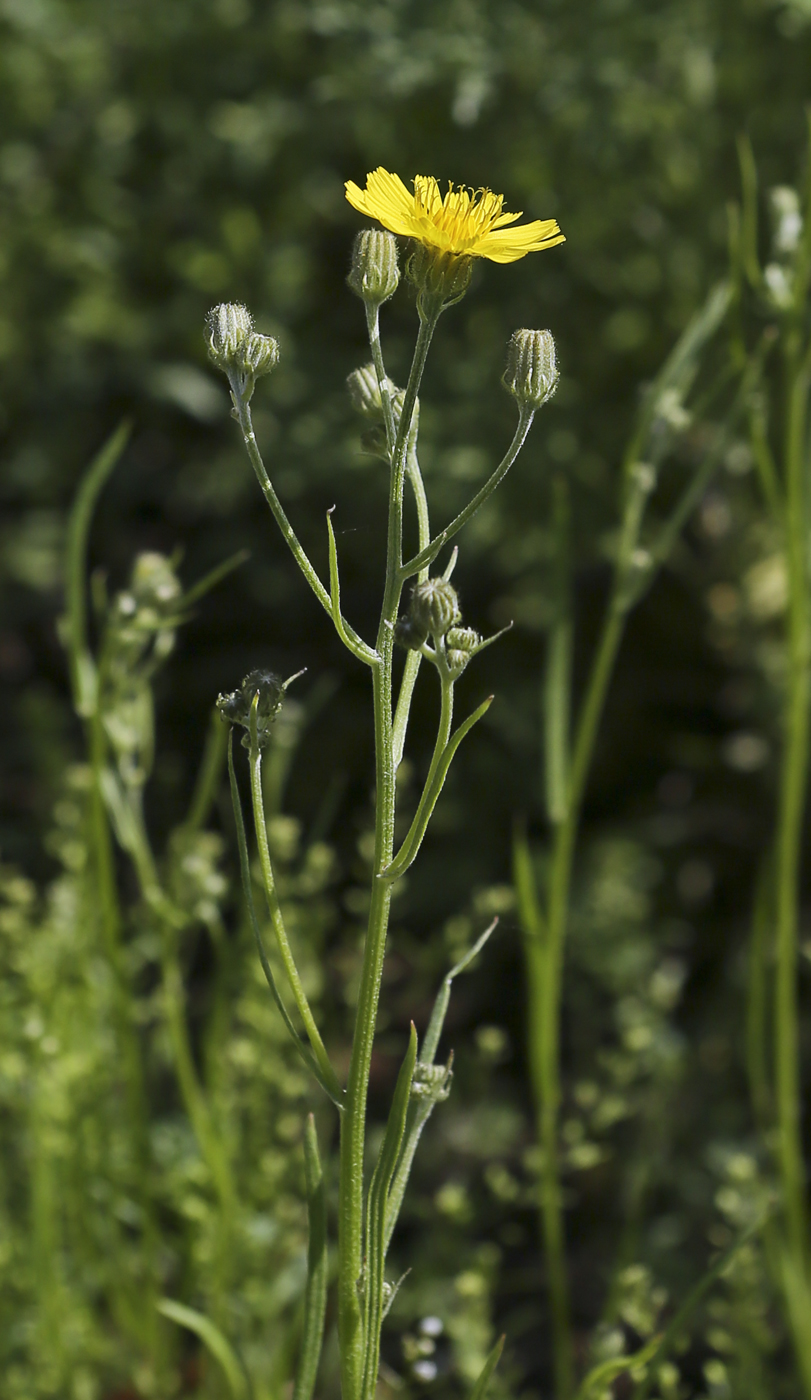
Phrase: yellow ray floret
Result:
[466,223]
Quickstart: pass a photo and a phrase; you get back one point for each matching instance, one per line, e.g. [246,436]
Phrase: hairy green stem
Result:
[353,1120]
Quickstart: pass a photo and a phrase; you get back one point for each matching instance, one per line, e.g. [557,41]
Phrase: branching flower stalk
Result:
[447,236]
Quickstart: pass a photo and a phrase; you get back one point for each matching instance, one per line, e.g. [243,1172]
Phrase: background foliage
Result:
[156,158]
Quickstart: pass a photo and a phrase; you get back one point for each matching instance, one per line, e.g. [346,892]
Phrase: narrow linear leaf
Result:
[347,634]
[315,1295]
[420,1112]
[479,1390]
[376,1207]
[214,1342]
[82,668]
[306,1054]
[411,845]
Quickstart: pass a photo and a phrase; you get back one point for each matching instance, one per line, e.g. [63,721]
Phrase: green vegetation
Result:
[616,1179]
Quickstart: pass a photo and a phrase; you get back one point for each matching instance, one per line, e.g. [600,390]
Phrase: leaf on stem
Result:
[214,1342]
[347,634]
[332,1091]
[376,1210]
[420,1111]
[411,845]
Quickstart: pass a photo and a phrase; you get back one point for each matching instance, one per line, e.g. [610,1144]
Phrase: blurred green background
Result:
[159,156]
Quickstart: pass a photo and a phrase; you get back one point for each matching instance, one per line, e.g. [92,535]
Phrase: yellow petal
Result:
[385,199]
[508,245]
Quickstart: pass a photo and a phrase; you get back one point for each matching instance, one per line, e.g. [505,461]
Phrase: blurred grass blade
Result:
[599,1377]
[749,219]
[315,1296]
[82,668]
[530,914]
[208,775]
[214,1342]
[479,1390]
[558,676]
[376,1210]
[245,870]
[691,1302]
[212,578]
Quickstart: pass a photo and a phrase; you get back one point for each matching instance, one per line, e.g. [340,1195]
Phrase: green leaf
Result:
[376,1210]
[82,667]
[214,1341]
[411,845]
[420,1112]
[480,1388]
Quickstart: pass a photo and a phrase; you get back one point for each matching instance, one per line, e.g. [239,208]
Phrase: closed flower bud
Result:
[408,635]
[364,392]
[235,707]
[260,354]
[237,349]
[457,661]
[434,606]
[227,327]
[441,279]
[463,639]
[532,373]
[374,274]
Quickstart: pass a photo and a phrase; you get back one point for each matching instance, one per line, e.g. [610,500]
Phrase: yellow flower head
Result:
[466,223]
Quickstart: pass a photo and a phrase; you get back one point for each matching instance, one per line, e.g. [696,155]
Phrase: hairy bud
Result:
[461,644]
[532,372]
[408,635]
[227,328]
[374,274]
[434,606]
[441,279]
[237,349]
[364,392]
[235,707]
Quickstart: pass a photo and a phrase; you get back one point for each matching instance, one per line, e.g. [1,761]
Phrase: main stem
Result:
[353,1119]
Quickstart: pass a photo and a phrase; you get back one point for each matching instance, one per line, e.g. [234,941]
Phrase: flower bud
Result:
[434,606]
[532,373]
[227,327]
[260,354]
[364,392]
[374,274]
[463,639]
[441,279]
[408,635]
[235,707]
[237,349]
